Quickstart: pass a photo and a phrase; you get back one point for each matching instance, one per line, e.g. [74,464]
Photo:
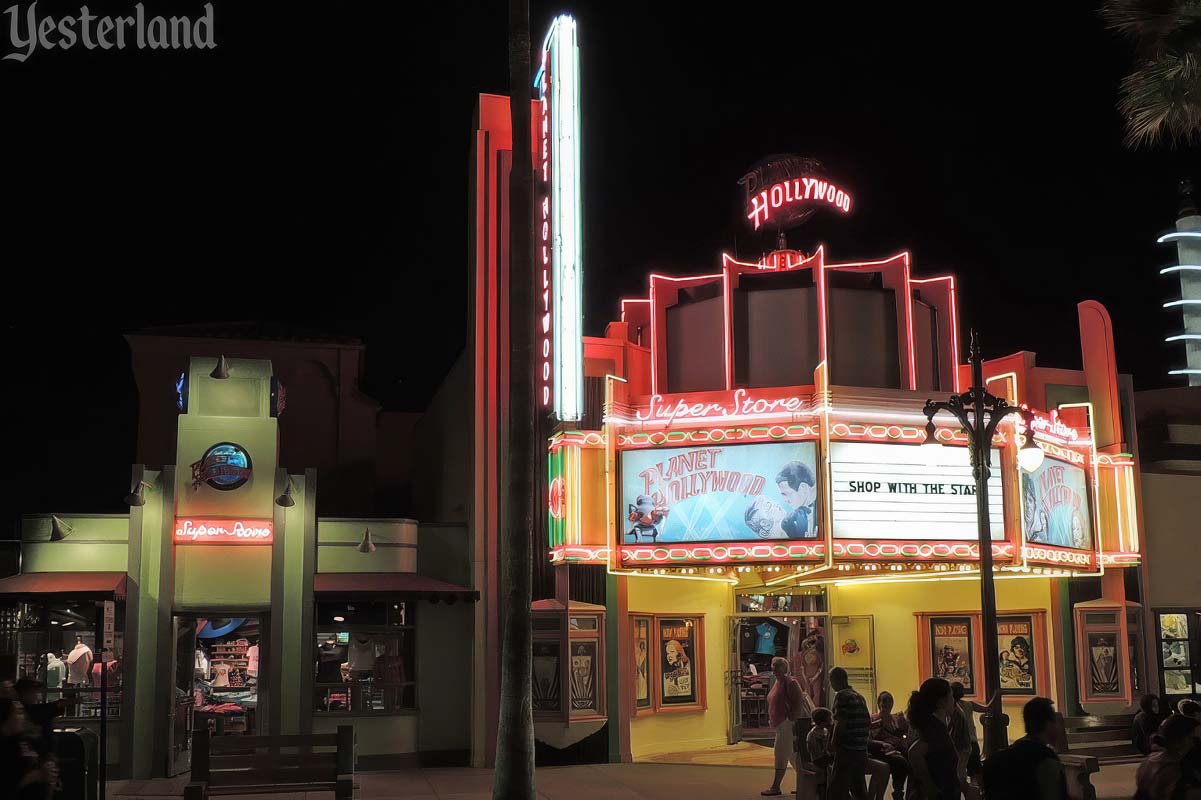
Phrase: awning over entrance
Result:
[98,584]
[359,583]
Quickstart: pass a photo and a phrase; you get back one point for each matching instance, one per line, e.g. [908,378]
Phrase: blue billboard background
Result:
[719,493]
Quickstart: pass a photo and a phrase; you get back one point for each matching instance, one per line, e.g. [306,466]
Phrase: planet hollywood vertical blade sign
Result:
[560,367]
[783,191]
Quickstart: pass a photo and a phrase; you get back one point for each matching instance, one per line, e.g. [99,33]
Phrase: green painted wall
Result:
[208,576]
[148,577]
[296,653]
[338,539]
[444,643]
[95,543]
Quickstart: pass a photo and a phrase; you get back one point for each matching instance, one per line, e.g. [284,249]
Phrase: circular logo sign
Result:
[225,466]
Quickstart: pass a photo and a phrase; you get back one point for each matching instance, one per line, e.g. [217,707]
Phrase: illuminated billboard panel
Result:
[894,491]
[1055,506]
[747,492]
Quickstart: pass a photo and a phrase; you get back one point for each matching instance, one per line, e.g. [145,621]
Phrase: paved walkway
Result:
[591,782]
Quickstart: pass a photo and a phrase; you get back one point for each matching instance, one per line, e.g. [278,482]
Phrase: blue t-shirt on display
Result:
[765,643]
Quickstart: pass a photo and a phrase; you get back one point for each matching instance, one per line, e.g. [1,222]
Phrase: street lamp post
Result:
[979,413]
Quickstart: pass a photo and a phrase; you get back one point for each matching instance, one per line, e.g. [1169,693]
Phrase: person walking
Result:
[1029,769]
[785,704]
[933,761]
[849,739]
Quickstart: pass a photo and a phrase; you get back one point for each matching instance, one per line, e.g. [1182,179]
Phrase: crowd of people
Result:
[28,769]
[1172,746]
[931,751]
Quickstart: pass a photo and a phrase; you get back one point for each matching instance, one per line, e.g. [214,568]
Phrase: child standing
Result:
[818,744]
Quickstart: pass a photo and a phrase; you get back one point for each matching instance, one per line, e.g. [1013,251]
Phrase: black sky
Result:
[312,170]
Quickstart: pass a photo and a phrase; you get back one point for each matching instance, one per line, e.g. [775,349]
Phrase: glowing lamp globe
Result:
[1030,455]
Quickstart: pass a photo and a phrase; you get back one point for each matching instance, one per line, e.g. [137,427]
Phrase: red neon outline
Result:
[909,327]
[655,310]
[954,320]
[728,326]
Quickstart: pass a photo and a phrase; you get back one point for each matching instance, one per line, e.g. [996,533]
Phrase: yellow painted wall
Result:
[669,732]
[893,606]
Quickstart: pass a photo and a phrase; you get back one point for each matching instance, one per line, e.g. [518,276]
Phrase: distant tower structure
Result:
[1187,238]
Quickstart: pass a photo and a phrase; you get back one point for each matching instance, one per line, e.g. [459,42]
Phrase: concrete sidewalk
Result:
[589,782]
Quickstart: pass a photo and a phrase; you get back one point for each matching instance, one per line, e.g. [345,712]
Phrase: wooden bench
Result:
[1079,771]
[256,764]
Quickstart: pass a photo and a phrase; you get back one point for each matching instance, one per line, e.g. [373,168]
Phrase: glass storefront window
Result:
[56,642]
[365,657]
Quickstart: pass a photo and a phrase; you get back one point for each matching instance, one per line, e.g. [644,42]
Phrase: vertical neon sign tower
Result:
[560,373]
[1187,238]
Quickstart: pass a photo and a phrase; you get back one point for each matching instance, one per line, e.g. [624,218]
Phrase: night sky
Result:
[312,170]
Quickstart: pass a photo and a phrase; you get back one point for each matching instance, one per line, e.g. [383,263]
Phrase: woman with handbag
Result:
[786,704]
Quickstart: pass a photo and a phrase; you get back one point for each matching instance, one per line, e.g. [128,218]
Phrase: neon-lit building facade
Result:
[744,477]
[758,479]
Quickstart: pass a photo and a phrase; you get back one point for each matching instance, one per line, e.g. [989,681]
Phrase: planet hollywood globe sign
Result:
[783,191]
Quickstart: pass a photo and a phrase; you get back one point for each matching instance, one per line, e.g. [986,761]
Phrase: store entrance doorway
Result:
[757,638]
[219,667]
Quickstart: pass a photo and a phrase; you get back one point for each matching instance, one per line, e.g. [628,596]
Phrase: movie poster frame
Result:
[1040,649]
[654,673]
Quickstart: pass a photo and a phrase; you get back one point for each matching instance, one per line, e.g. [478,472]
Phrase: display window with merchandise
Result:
[59,642]
[365,657]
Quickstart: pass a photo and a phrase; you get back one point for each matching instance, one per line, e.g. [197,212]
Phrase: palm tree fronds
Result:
[1141,19]
[1161,101]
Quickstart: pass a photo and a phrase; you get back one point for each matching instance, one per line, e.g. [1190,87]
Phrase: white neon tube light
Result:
[1176,236]
[566,216]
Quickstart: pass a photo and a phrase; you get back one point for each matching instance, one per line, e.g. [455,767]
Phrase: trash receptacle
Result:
[77,751]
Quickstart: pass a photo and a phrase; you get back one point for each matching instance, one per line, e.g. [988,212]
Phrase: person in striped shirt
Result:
[849,739]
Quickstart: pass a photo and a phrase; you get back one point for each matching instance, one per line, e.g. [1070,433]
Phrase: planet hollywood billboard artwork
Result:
[748,492]
[1055,506]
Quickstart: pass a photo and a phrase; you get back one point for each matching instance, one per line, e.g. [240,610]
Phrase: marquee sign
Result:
[225,466]
[784,191]
[893,491]
[560,377]
[192,530]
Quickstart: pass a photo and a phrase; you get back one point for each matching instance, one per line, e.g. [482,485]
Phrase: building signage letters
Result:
[742,404]
[1054,426]
[892,491]
[796,191]
[190,530]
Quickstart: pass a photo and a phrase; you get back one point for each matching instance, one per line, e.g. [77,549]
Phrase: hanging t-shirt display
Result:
[746,638]
[765,639]
[220,675]
[79,664]
[252,661]
[362,655]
